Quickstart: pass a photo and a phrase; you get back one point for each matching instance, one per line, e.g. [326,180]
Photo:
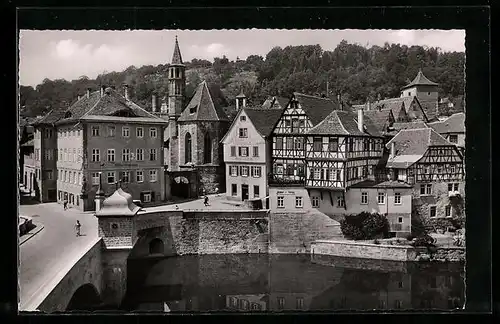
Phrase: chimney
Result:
[126,91]
[103,87]
[88,92]
[153,103]
[393,150]
[360,120]
[368,106]
[341,105]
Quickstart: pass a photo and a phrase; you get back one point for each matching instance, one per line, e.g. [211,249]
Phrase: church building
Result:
[193,152]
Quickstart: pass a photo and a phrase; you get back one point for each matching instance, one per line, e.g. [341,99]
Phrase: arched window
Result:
[187,148]
[207,152]
[156,246]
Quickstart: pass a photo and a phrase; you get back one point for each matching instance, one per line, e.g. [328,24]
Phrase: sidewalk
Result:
[38,227]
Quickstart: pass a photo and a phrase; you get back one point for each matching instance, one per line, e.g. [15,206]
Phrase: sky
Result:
[66,54]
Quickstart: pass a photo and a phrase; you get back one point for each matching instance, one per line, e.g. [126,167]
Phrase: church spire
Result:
[176,57]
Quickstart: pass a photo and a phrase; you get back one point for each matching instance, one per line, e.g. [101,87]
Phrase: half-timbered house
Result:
[435,169]
[453,129]
[302,113]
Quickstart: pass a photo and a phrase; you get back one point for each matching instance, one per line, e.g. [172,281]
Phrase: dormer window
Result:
[243,118]
[192,110]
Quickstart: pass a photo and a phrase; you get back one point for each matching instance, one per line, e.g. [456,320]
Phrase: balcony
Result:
[398,227]
[281,181]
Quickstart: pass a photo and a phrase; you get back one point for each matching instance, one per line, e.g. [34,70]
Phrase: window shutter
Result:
[152,196]
[239,151]
[141,196]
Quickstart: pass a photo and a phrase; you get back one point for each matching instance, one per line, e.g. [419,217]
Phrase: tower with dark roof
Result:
[426,92]
[176,92]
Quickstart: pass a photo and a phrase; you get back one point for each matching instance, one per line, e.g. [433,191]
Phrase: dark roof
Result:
[381,184]
[110,103]
[50,118]
[316,108]
[420,79]
[263,119]
[341,122]
[176,57]
[409,125]
[453,124]
[209,103]
[275,102]
[416,141]
[381,119]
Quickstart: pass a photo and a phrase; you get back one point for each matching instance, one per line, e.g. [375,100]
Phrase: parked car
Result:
[25,224]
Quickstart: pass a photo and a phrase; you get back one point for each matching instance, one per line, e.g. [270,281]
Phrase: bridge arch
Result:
[156,246]
[86,297]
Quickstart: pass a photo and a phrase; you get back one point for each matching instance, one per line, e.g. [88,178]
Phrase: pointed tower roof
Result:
[176,57]
[206,104]
[420,79]
[241,95]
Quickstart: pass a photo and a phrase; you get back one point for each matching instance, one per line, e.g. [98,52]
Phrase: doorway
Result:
[244,192]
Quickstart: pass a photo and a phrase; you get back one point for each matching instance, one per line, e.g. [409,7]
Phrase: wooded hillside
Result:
[358,73]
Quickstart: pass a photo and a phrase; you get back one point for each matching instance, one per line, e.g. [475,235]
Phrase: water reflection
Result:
[289,283]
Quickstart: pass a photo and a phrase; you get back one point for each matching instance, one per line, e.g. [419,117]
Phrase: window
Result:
[340,201]
[300,303]
[95,155]
[187,146]
[126,155]
[111,131]
[243,118]
[364,198]
[49,154]
[61,155]
[95,130]
[125,176]
[146,196]
[125,131]
[74,155]
[139,132]
[256,192]
[256,171]
[281,303]
[432,211]
[455,187]
[233,150]
[153,132]
[80,155]
[255,151]
[243,132]
[298,202]
[398,304]
[397,198]
[111,155]
[453,138]
[243,151]
[139,176]
[452,187]
[317,144]
[152,154]
[381,198]
[152,175]
[333,144]
[279,143]
[317,173]
[315,201]
[256,306]
[140,154]
[400,220]
[426,189]
[244,171]
[95,178]
[234,189]
[281,202]
[233,171]
[111,177]
[49,175]
[447,211]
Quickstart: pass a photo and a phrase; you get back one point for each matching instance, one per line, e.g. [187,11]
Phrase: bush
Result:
[424,241]
[410,237]
[364,226]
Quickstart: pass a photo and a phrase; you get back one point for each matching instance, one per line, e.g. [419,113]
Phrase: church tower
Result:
[176,88]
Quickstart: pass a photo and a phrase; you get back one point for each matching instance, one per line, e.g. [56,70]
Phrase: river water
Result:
[243,282]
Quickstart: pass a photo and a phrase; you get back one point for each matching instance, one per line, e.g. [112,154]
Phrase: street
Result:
[44,254]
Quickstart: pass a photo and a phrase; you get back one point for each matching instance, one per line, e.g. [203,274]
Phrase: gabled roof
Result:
[263,119]
[381,184]
[316,108]
[176,56]
[420,79]
[50,118]
[453,124]
[381,119]
[275,102]
[341,122]
[416,141]
[409,125]
[109,104]
[208,102]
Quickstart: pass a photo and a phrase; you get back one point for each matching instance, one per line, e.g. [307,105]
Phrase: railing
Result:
[275,180]
[397,227]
